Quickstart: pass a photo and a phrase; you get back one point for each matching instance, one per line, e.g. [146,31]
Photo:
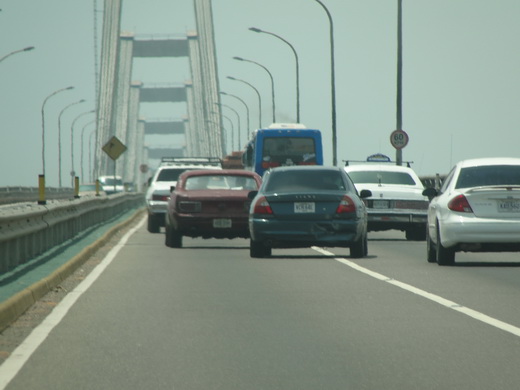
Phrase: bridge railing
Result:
[29,229]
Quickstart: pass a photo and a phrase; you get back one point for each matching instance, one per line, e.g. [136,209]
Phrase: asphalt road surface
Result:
[207,316]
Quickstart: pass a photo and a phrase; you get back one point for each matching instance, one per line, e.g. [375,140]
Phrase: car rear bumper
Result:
[386,221]
[280,234]
[204,227]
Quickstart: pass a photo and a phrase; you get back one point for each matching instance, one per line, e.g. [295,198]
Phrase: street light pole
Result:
[59,137]
[72,172]
[332,85]
[247,110]
[257,30]
[259,99]
[16,51]
[238,121]
[399,114]
[82,147]
[232,127]
[272,82]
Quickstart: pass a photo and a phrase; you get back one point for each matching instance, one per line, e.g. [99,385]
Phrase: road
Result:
[209,317]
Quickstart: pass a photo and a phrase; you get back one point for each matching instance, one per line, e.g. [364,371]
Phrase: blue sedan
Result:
[304,206]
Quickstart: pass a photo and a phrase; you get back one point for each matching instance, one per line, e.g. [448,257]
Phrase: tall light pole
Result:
[259,99]
[83,147]
[238,121]
[247,110]
[42,176]
[399,114]
[72,172]
[257,30]
[59,136]
[232,127]
[332,85]
[29,48]
[272,82]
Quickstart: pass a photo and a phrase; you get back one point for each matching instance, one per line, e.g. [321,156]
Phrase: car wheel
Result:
[359,248]
[258,250]
[153,224]
[445,256]
[431,254]
[416,234]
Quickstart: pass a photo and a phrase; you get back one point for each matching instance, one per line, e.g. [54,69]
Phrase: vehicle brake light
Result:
[163,198]
[262,206]
[189,207]
[346,205]
[267,164]
[460,204]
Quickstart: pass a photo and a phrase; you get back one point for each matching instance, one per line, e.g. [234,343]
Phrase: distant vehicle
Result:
[477,209]
[283,144]
[111,184]
[397,201]
[210,204]
[233,160]
[90,189]
[303,206]
[164,181]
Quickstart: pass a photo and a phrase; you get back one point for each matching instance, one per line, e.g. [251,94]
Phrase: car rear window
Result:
[383,177]
[222,182]
[312,180]
[490,175]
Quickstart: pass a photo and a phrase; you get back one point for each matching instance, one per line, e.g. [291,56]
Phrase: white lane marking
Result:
[432,297]
[12,365]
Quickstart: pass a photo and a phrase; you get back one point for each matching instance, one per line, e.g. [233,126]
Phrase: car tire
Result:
[173,239]
[359,248]
[431,253]
[258,249]
[416,234]
[445,256]
[153,224]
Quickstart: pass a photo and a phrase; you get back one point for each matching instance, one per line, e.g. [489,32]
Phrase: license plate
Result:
[222,223]
[304,207]
[509,206]
[380,204]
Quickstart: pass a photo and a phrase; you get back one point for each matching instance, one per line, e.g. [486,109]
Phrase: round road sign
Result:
[399,139]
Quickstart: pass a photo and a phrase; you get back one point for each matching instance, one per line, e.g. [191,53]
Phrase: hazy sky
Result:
[461,75]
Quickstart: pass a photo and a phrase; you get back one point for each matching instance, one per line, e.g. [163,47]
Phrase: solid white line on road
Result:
[9,369]
[432,297]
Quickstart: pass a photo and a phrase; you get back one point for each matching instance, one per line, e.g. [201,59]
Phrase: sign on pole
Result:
[399,139]
[114,148]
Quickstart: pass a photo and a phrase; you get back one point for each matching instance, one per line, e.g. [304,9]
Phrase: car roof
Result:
[489,161]
[378,167]
[202,172]
[305,167]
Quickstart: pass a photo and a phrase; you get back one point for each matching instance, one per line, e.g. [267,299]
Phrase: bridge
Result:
[120,97]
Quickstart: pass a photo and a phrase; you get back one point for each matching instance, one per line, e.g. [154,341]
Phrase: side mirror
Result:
[430,193]
[365,194]
[252,194]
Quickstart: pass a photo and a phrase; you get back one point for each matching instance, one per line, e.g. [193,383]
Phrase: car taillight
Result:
[189,207]
[460,204]
[262,206]
[163,198]
[346,205]
[267,164]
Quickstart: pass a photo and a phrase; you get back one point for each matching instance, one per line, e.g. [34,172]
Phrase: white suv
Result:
[164,181]
[397,201]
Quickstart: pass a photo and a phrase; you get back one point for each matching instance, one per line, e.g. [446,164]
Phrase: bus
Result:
[283,144]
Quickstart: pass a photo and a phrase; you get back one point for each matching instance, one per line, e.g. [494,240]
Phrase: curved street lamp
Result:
[231,125]
[257,30]
[72,172]
[43,131]
[82,147]
[270,76]
[245,105]
[333,85]
[59,136]
[29,48]
[259,99]
[238,121]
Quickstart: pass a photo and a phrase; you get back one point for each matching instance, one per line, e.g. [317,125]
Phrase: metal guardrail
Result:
[19,194]
[29,229]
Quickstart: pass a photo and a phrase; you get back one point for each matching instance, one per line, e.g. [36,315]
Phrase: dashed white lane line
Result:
[10,368]
[432,297]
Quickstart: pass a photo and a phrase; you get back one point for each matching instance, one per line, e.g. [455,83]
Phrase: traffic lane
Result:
[208,316]
[486,282]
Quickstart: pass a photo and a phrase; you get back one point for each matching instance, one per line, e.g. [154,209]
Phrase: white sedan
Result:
[476,210]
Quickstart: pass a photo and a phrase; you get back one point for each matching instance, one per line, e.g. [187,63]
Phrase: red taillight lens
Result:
[346,205]
[460,204]
[267,165]
[163,198]
[262,206]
